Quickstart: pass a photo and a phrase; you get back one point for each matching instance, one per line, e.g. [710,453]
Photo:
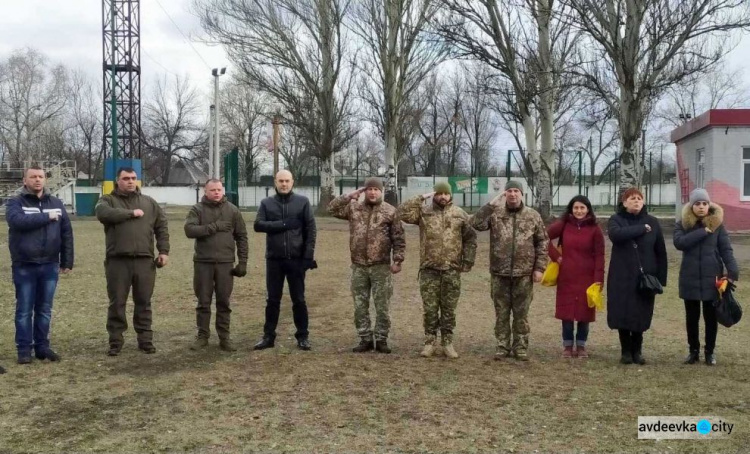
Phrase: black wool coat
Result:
[704,255]
[627,308]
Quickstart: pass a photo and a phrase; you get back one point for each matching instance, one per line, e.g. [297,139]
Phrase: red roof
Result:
[712,118]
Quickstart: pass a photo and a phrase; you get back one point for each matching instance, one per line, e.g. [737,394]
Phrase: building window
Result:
[700,166]
[746,172]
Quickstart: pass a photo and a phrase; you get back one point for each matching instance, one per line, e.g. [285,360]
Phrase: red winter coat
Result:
[583,264]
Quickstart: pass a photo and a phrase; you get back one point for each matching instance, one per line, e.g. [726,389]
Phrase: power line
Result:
[157,62]
[183,35]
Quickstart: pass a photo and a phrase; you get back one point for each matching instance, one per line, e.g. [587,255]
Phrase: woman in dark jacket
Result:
[706,250]
[583,265]
[636,236]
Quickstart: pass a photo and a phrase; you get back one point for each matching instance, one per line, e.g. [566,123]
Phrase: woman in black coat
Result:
[706,250]
[634,233]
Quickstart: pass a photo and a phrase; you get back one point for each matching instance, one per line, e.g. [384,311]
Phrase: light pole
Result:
[211,123]
[216,72]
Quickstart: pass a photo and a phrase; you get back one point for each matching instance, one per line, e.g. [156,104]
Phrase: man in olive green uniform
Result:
[518,257]
[447,246]
[375,234]
[216,225]
[131,221]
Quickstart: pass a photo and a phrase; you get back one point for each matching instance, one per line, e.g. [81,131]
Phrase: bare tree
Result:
[526,44]
[718,88]
[172,128]
[476,120]
[245,117]
[398,56]
[639,48]
[84,135]
[31,94]
[299,158]
[294,51]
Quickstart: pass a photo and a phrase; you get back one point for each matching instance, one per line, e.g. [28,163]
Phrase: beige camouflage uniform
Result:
[376,238]
[447,244]
[518,247]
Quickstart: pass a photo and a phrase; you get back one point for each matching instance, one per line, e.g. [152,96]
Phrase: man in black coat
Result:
[289,225]
[637,241]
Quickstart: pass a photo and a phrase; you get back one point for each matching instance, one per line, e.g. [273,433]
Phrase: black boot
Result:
[382,347]
[265,342]
[637,346]
[2,371]
[625,347]
[304,344]
[365,345]
[692,357]
[710,358]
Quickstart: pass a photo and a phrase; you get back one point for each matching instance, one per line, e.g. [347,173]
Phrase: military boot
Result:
[227,345]
[428,350]
[365,345]
[199,343]
[449,351]
[381,346]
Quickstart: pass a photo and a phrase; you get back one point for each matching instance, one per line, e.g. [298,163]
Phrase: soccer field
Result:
[330,399]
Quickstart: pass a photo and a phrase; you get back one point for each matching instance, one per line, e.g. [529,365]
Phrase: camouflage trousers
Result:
[512,295]
[372,280]
[440,291]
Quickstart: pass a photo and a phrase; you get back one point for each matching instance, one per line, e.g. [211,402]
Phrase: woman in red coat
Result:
[581,264]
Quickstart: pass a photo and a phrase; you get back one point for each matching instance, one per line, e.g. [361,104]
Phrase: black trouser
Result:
[631,342]
[210,278]
[693,316]
[276,271]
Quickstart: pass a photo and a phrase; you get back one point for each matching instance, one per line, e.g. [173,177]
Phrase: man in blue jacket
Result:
[40,239]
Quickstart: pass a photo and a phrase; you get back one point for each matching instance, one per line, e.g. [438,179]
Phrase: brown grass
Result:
[332,400]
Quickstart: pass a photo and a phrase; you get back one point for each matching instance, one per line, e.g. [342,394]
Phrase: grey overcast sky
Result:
[69,32]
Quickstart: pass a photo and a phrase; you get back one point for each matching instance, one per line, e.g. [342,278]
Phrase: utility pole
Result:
[211,126]
[507,165]
[661,166]
[643,154]
[276,135]
[216,72]
[580,168]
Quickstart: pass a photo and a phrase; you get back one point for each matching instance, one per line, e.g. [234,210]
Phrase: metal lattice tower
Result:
[121,27]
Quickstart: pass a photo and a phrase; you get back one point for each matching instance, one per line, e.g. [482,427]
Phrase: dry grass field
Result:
[331,400]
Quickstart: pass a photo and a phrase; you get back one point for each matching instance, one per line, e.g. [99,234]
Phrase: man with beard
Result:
[377,248]
[289,225]
[447,246]
[216,225]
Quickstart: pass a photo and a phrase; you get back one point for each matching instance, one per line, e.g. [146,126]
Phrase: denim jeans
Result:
[580,337]
[35,288]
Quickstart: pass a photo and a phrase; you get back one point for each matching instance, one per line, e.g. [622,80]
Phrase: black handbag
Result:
[728,309]
[647,284]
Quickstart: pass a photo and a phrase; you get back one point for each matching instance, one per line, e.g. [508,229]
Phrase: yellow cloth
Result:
[594,296]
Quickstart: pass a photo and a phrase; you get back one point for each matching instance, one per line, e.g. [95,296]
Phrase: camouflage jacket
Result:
[375,230]
[518,239]
[446,239]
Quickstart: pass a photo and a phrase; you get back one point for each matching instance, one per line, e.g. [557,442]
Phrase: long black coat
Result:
[704,255]
[627,308]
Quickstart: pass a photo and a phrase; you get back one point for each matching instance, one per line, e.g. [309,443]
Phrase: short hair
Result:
[34,167]
[126,170]
[212,180]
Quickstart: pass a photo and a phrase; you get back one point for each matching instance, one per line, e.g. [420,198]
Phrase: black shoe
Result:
[364,346]
[48,354]
[638,358]
[2,370]
[304,344]
[114,350]
[147,348]
[710,359]
[626,358]
[382,347]
[24,358]
[264,343]
[692,357]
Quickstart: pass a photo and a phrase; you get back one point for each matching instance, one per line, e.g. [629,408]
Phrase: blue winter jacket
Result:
[32,236]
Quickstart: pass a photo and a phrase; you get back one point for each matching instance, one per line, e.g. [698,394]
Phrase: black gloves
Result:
[292,223]
[309,264]
[220,226]
[240,270]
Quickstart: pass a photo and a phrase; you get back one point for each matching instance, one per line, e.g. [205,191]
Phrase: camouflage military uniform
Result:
[518,247]
[447,245]
[376,238]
